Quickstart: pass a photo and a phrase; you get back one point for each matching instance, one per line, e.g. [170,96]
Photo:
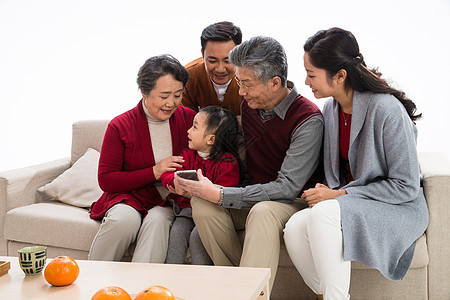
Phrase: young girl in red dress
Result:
[213,148]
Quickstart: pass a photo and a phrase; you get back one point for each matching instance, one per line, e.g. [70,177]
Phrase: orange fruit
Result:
[155,292]
[63,270]
[111,293]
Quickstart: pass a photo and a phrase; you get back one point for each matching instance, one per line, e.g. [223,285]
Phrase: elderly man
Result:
[211,76]
[283,138]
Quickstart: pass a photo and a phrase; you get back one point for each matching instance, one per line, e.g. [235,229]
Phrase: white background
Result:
[63,61]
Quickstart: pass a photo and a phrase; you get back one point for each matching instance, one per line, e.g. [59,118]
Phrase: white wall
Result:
[62,61]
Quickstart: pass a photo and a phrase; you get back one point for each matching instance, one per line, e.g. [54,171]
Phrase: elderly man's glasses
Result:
[246,87]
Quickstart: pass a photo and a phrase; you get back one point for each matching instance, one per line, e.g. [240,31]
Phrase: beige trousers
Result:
[263,225]
[123,225]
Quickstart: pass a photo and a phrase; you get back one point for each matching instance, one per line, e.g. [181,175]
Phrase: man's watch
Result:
[220,202]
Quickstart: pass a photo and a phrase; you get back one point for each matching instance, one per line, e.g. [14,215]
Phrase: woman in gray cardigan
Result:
[372,208]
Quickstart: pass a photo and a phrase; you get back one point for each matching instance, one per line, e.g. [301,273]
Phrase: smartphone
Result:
[188,174]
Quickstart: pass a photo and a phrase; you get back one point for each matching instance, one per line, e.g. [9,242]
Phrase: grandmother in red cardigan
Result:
[140,145]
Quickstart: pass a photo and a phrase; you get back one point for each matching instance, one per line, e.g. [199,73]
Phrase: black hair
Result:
[335,49]
[224,125]
[221,31]
[158,66]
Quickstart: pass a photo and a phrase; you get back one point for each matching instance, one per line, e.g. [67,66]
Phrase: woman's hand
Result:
[320,193]
[202,188]
[168,164]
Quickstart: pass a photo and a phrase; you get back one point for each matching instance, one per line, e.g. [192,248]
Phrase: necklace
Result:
[344,117]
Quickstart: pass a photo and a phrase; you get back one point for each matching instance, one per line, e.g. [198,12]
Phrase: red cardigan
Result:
[125,171]
[224,173]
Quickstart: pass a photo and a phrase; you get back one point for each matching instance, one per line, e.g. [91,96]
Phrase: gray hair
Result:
[264,56]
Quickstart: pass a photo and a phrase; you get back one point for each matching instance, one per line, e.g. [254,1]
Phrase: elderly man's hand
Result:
[202,188]
[179,191]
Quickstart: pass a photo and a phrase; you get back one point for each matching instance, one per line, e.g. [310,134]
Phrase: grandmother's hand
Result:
[202,188]
[168,164]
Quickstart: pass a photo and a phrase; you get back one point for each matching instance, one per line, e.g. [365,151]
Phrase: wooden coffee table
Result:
[187,282]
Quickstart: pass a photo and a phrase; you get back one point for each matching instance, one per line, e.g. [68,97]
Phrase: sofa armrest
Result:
[19,188]
[435,169]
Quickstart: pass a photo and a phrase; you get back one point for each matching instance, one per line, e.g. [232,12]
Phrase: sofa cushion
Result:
[78,185]
[54,224]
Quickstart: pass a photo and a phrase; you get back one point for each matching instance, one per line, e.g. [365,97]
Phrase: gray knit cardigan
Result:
[385,210]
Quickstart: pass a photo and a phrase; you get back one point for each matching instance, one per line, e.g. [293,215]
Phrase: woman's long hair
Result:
[335,49]
[224,125]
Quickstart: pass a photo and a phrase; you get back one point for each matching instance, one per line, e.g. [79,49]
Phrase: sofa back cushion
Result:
[78,185]
[87,134]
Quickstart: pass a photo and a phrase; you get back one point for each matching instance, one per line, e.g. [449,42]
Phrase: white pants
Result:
[122,225]
[313,238]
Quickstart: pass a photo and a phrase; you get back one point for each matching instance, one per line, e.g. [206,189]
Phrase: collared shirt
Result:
[300,162]
[281,109]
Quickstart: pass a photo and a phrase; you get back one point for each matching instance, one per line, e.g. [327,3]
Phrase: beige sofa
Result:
[29,217]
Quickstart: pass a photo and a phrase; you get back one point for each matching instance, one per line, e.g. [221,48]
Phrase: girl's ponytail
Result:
[224,125]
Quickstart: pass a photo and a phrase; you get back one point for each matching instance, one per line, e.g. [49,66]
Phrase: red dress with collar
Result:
[224,172]
[125,171]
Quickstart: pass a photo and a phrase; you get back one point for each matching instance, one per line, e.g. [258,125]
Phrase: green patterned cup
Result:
[32,259]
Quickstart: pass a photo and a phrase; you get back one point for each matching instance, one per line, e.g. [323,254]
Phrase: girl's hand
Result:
[320,193]
[168,164]
[202,188]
